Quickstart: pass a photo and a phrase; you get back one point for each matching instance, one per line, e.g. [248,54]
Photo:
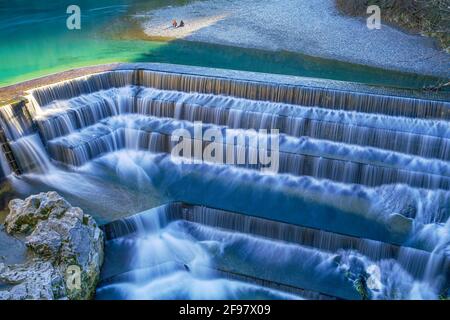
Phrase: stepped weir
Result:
[295,241]
[362,183]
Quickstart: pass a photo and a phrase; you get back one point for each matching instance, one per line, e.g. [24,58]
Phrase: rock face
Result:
[65,247]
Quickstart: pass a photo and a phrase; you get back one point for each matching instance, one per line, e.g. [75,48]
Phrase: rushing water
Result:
[165,262]
[364,178]
[36,41]
[5,169]
[189,260]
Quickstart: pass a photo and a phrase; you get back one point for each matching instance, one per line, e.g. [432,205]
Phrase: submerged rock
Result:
[399,224]
[66,248]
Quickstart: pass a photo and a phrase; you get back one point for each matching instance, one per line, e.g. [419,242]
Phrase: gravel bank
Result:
[312,27]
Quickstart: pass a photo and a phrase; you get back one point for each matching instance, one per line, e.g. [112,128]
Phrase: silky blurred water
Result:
[176,261]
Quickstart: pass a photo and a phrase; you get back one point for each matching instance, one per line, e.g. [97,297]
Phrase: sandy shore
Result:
[312,27]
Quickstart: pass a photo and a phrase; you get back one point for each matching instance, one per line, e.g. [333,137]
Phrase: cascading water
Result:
[187,250]
[370,166]
[179,266]
[30,153]
[300,156]
[5,170]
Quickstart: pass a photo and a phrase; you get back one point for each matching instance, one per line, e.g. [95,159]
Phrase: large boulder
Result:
[65,245]
[24,215]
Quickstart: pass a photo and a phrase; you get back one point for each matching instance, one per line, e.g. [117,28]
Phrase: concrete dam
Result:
[358,207]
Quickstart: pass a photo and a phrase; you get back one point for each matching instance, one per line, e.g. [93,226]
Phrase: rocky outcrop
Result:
[65,247]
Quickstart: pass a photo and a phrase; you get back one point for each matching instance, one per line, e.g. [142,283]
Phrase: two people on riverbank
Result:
[176,25]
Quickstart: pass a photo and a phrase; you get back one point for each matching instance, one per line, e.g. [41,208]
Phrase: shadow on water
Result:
[288,63]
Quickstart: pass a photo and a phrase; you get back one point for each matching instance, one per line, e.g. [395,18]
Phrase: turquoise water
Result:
[36,42]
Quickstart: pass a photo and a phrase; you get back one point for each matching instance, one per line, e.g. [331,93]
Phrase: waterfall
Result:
[299,156]
[5,169]
[83,85]
[389,104]
[208,250]
[15,120]
[83,119]
[157,219]
[300,95]
[175,260]
[16,124]
[425,138]
[387,213]
[361,186]
[31,155]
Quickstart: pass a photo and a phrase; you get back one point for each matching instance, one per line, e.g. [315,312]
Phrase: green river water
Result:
[35,42]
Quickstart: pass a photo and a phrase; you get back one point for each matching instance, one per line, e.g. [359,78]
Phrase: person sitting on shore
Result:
[181,24]
[174,23]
